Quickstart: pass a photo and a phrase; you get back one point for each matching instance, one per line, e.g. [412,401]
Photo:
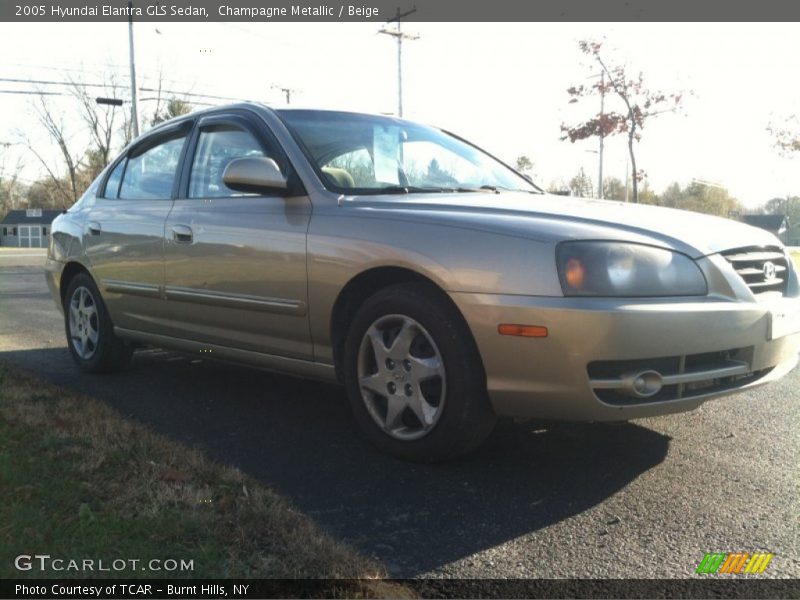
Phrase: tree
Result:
[647,195]
[68,185]
[581,185]
[613,189]
[82,141]
[639,104]
[175,108]
[787,137]
[699,197]
[523,164]
[44,193]
[11,188]
[559,186]
[100,121]
[789,206]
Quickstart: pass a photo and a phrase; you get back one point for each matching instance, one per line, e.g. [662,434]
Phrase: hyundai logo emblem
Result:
[769,271]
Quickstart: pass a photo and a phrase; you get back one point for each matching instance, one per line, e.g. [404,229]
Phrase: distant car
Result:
[438,284]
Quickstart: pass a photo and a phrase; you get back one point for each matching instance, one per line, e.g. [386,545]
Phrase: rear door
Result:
[236,263]
[124,235]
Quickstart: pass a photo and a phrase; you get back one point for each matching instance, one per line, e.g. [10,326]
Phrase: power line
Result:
[144,89]
[33,93]
[60,68]
[100,85]
[49,82]
[99,70]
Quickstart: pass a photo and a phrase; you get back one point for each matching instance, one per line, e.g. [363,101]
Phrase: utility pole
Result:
[398,34]
[602,133]
[287,92]
[134,94]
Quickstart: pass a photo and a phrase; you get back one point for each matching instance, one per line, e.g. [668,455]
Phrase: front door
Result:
[124,234]
[235,264]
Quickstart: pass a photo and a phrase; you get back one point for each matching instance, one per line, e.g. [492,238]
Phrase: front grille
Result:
[684,377]
[764,269]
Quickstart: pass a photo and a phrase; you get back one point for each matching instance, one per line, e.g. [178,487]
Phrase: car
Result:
[441,287]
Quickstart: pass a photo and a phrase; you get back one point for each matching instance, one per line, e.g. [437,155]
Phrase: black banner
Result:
[705,587]
[383,10]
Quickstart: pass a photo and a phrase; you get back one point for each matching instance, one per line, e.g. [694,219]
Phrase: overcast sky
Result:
[503,86]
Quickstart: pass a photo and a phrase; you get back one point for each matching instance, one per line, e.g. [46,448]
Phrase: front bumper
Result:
[568,374]
[52,274]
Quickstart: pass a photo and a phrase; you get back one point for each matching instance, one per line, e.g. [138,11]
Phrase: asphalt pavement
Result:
[645,499]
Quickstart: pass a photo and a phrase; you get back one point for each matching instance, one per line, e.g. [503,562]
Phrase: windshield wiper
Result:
[406,189]
[492,188]
[412,189]
[497,188]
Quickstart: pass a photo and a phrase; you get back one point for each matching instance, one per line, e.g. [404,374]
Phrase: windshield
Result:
[365,154]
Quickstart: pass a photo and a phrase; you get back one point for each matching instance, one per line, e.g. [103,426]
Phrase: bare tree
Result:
[101,120]
[86,138]
[640,104]
[787,135]
[55,126]
[11,189]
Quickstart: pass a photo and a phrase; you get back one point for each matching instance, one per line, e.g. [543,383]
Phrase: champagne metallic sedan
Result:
[441,287]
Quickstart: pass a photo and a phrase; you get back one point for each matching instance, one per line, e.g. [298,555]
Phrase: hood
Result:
[556,218]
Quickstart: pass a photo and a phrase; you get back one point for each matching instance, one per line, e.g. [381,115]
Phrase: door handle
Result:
[182,234]
[94,228]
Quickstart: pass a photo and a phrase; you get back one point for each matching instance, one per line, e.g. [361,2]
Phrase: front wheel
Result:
[90,333]
[414,376]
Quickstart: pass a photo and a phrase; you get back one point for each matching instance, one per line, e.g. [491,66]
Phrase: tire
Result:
[414,376]
[90,332]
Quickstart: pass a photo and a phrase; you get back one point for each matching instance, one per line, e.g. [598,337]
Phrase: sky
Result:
[500,85]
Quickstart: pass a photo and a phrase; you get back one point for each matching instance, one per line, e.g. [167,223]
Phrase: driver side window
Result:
[217,146]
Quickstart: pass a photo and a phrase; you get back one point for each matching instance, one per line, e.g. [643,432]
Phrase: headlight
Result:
[621,269]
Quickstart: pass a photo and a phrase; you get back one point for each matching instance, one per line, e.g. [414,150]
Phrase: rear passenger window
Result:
[150,175]
[216,147]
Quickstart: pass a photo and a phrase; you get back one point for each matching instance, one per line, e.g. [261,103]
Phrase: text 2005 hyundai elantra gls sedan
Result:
[438,285]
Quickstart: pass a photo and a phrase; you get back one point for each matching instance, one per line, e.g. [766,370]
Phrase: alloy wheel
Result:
[401,375]
[84,323]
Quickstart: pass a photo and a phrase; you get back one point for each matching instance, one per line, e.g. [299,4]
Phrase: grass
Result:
[79,481]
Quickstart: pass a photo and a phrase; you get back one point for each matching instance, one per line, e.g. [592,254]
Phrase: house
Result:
[27,228]
[776,224]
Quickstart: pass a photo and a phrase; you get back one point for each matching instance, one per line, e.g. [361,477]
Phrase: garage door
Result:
[30,236]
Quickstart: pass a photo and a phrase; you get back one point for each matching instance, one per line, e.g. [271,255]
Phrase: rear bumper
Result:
[582,369]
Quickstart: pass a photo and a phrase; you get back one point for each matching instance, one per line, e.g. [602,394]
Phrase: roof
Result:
[33,217]
[768,222]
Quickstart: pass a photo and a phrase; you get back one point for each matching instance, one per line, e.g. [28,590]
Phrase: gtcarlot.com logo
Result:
[734,563]
[44,562]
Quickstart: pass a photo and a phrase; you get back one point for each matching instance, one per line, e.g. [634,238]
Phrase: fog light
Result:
[643,384]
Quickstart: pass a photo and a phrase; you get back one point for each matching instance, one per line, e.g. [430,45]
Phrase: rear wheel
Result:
[414,377]
[90,333]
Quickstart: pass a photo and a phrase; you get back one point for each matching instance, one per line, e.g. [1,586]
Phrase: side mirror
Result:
[255,174]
